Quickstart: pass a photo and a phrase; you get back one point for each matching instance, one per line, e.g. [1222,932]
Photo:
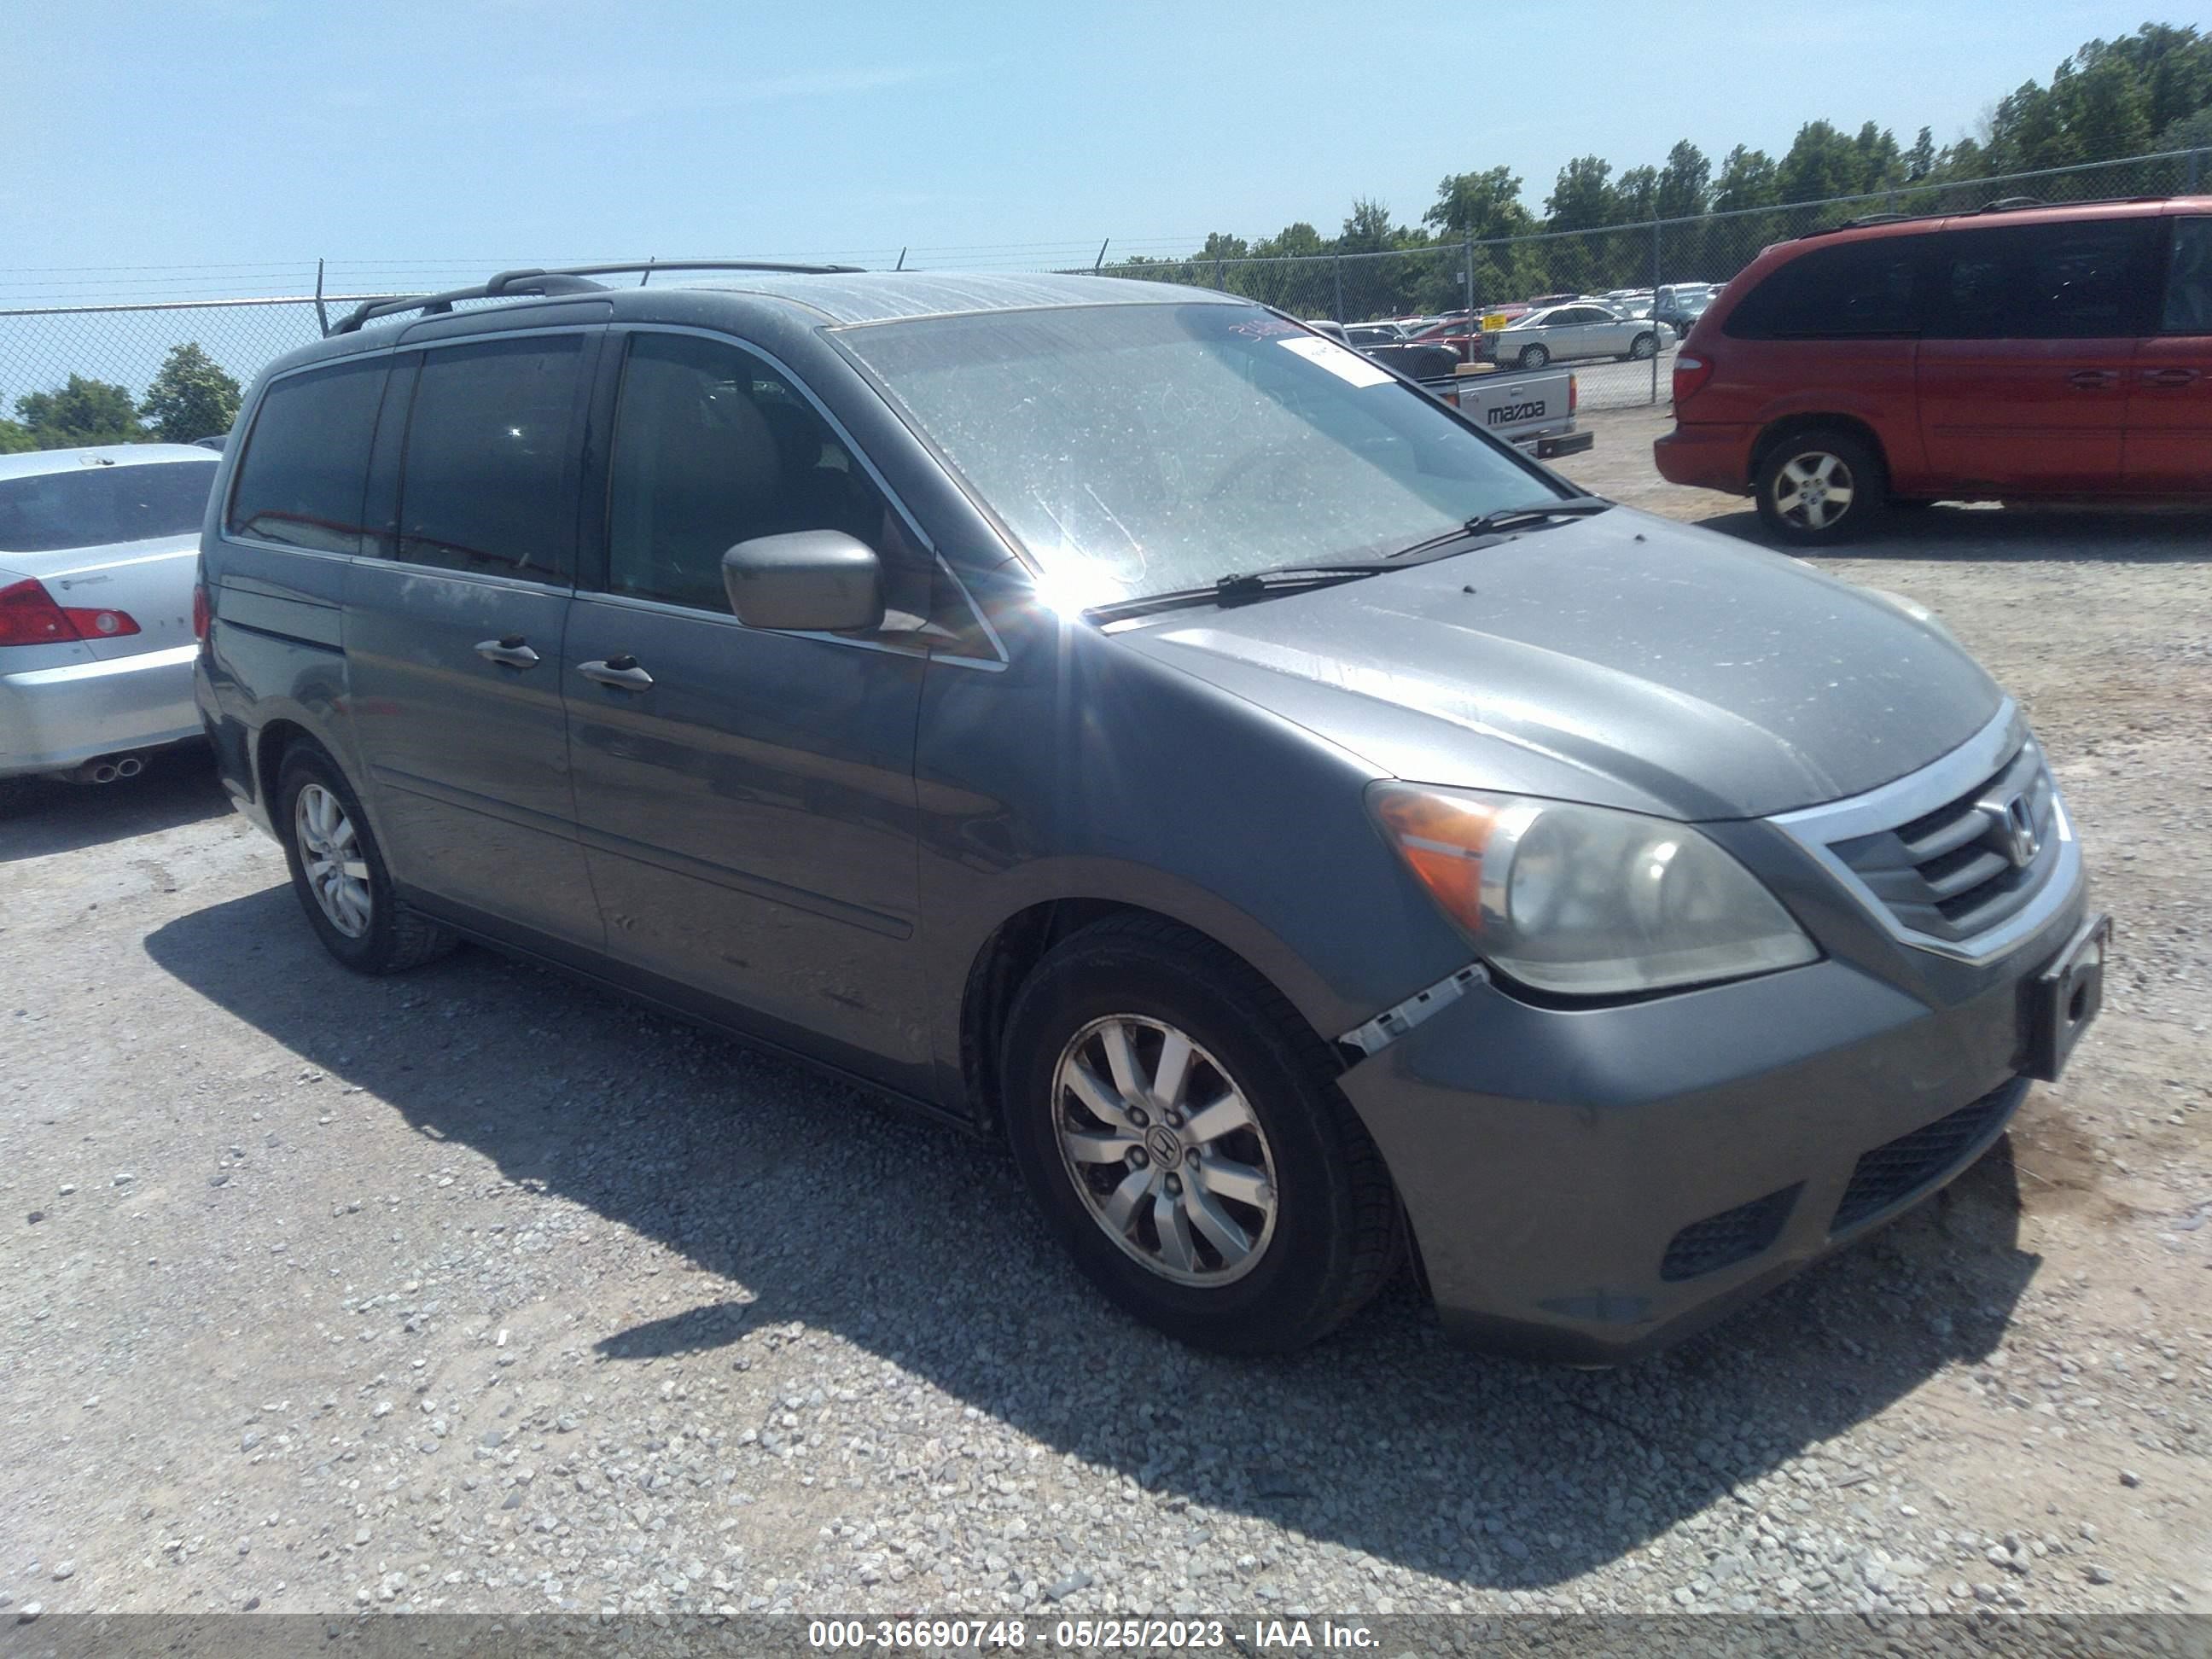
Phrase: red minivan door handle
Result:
[2169,376]
[2092,379]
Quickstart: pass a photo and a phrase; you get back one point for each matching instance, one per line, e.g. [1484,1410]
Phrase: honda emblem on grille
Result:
[2011,829]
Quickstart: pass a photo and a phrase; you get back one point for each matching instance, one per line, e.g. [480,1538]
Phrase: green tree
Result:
[2105,109]
[15,439]
[1748,180]
[190,398]
[1636,197]
[2026,132]
[1920,159]
[1368,228]
[2189,131]
[1582,198]
[1683,182]
[1820,162]
[1484,206]
[82,412]
[1880,167]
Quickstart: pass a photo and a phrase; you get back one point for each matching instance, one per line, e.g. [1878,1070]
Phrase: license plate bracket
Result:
[2065,997]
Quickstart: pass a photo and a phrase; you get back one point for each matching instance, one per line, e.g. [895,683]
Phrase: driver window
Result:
[712,447]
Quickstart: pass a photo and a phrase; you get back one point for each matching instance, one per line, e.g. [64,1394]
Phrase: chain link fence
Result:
[125,345]
[1710,247]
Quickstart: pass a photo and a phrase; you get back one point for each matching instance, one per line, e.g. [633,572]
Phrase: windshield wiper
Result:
[1534,515]
[1243,586]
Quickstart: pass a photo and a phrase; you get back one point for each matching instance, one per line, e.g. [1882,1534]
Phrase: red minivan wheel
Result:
[1819,486]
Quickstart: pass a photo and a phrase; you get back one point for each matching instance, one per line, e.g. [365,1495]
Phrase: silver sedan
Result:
[98,548]
[1585,329]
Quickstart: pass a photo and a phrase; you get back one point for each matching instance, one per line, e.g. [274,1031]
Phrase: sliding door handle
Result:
[508,652]
[621,672]
[2092,379]
[2169,376]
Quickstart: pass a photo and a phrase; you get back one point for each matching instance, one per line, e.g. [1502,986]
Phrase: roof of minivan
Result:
[1911,224]
[34,462]
[883,296]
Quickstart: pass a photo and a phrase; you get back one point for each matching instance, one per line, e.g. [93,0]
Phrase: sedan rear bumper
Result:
[54,718]
[1587,1184]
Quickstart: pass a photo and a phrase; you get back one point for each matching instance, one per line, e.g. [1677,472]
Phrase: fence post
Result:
[1466,251]
[2195,156]
[1221,284]
[1336,268]
[1655,305]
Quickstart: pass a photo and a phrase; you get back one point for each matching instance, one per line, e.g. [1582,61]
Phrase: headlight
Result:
[1583,900]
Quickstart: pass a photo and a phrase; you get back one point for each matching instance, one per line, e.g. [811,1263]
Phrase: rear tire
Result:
[339,875]
[1138,1161]
[1819,486]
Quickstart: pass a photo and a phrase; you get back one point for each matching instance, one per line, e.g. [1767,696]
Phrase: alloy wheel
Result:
[1814,490]
[329,855]
[1164,1151]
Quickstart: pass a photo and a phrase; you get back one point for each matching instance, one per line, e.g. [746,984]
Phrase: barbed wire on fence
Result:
[124,342]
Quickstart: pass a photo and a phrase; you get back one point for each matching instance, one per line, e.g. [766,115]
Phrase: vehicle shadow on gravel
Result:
[795,1200]
[2066,535]
[39,817]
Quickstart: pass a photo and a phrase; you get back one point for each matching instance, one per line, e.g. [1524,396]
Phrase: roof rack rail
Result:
[2012,204]
[1873,219]
[573,279]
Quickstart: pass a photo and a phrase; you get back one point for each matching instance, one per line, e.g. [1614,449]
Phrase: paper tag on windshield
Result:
[1340,361]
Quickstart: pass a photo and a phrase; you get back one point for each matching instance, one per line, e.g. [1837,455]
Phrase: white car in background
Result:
[98,551]
[1582,328]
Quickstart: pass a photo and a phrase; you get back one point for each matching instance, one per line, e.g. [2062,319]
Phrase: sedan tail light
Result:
[1690,373]
[29,616]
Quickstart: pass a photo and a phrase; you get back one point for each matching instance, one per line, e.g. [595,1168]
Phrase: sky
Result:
[220,147]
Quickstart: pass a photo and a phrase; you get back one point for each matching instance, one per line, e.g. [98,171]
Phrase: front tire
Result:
[1643,347]
[1533,357]
[1819,486]
[339,875]
[1178,1124]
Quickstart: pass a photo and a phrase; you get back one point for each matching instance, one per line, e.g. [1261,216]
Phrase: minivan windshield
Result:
[1144,449]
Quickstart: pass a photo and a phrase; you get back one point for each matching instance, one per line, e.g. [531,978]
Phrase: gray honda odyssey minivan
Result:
[1115,718]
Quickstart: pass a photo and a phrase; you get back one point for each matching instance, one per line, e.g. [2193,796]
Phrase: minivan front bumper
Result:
[1588,1184]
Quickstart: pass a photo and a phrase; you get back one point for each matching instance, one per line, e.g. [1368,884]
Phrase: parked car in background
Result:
[1418,359]
[96,554]
[1678,304]
[1126,724]
[1584,329]
[2007,355]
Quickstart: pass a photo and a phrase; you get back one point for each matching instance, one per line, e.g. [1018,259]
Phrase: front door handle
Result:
[621,672]
[508,652]
[2092,379]
[2169,376]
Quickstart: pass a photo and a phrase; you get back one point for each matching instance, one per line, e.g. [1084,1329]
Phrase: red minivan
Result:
[2017,352]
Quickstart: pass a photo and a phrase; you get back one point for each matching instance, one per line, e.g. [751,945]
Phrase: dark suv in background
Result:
[1118,719]
[2015,353]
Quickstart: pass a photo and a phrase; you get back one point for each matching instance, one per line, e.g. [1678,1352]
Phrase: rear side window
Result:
[97,506]
[486,483]
[2090,280]
[306,465]
[1854,290]
[2188,279]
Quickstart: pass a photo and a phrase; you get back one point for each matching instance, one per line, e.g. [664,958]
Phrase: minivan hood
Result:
[1623,660]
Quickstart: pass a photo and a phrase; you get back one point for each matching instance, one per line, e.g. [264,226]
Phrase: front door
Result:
[2169,441]
[747,798]
[2028,354]
[453,640]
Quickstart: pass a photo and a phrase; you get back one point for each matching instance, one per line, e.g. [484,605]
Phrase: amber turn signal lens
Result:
[1441,840]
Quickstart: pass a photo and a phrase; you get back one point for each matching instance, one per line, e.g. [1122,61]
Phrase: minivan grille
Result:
[1974,861]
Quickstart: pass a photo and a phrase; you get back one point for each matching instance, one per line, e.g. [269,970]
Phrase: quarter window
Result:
[306,467]
[487,485]
[2188,279]
[2086,279]
[1854,290]
[714,448]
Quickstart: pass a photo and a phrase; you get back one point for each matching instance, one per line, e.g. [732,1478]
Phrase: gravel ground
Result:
[474,1290]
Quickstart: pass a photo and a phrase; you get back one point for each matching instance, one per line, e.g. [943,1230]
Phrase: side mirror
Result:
[812,581]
